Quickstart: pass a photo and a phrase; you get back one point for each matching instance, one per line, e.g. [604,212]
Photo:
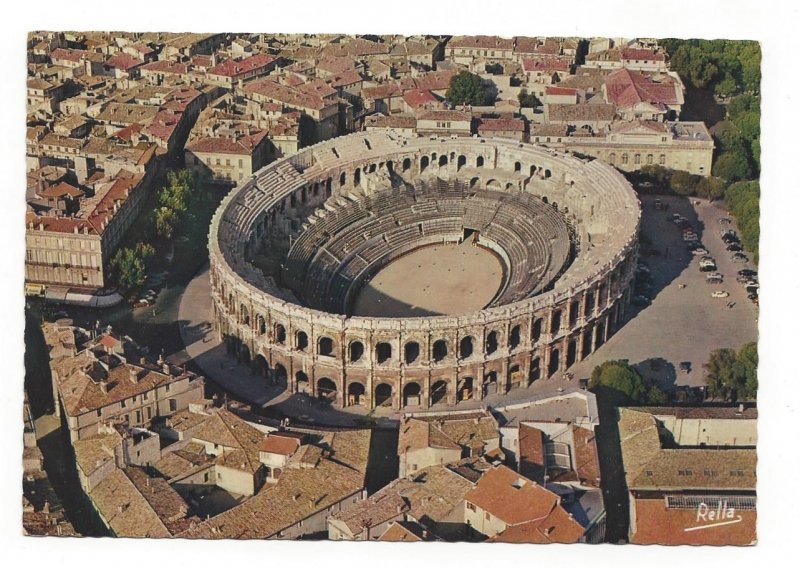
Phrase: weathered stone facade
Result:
[363,360]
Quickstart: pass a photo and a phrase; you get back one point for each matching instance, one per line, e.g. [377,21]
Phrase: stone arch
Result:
[517,166]
[261,365]
[411,352]
[406,164]
[532,170]
[301,382]
[383,352]
[462,161]
[515,378]
[547,174]
[301,340]
[439,392]
[466,389]
[466,347]
[261,325]
[326,389]
[280,334]
[325,346]
[555,321]
[372,168]
[490,383]
[474,181]
[281,376]
[423,163]
[479,162]
[439,350]
[572,353]
[355,394]
[536,370]
[412,394]
[493,184]
[357,177]
[536,332]
[342,179]
[509,185]
[383,394]
[491,342]
[355,351]
[514,338]
[442,160]
[555,361]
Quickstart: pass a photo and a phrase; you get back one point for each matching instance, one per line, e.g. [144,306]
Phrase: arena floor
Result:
[446,279]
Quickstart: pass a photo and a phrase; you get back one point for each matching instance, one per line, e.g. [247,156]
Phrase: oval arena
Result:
[378,270]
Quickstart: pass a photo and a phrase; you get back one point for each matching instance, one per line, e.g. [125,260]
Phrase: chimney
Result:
[104,386]
[133,375]
[741,408]
[165,368]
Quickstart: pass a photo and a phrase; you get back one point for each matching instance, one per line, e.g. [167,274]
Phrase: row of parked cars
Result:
[152,286]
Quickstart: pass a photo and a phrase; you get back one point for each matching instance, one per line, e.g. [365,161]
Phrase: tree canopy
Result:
[725,67]
[467,88]
[625,383]
[129,266]
[733,375]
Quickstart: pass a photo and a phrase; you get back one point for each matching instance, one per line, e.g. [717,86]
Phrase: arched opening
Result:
[301,340]
[479,162]
[509,186]
[280,334]
[462,161]
[423,163]
[383,352]
[326,389]
[244,315]
[574,310]
[493,184]
[533,170]
[411,352]
[439,350]
[588,305]
[572,352]
[465,347]
[356,351]
[342,179]
[406,164]
[301,382]
[466,389]
[474,182]
[280,375]
[357,177]
[412,394]
[514,337]
[328,187]
[490,383]
[587,343]
[544,199]
[491,342]
[555,361]
[325,346]
[355,394]
[517,166]
[536,332]
[261,366]
[555,322]
[372,168]
[438,392]
[383,395]
[515,378]
[442,160]
[547,174]
[261,325]
[536,371]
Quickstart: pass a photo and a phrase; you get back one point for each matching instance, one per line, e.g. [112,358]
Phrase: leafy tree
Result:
[165,219]
[128,269]
[682,183]
[655,173]
[527,100]
[145,251]
[711,187]
[732,165]
[466,88]
[733,375]
[749,124]
[621,378]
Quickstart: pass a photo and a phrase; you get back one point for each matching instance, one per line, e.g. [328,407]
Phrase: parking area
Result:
[683,321]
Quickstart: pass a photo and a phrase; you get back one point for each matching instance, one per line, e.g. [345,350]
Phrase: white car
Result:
[699,251]
[719,294]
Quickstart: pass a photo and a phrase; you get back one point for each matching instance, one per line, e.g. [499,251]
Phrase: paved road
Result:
[682,324]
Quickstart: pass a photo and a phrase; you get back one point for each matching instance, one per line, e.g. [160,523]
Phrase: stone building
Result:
[690,474]
[228,160]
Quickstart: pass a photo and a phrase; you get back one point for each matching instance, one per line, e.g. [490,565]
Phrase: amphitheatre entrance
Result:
[441,279]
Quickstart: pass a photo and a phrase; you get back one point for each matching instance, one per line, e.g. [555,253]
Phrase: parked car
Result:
[734,247]
[724,221]
[739,257]
[715,278]
[699,250]
[685,366]
[719,294]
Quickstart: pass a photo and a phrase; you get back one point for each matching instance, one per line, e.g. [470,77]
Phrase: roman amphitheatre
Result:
[379,270]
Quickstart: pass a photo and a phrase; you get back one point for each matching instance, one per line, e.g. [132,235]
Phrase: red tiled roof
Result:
[234,68]
[123,61]
[642,54]
[501,125]
[281,445]
[551,90]
[545,64]
[419,98]
[513,499]
[61,189]
[482,42]
[626,88]
[243,145]
[164,66]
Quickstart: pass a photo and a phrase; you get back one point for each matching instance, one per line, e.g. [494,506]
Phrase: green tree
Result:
[733,375]
[711,187]
[682,183]
[466,88]
[527,100]
[128,269]
[165,220]
[620,378]
[746,371]
[719,372]
[732,165]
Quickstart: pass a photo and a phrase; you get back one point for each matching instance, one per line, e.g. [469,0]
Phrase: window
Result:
[470,506]
[662,159]
[124,403]
[637,159]
[649,473]
[488,517]
[99,411]
[167,387]
[649,159]
[624,158]
[173,405]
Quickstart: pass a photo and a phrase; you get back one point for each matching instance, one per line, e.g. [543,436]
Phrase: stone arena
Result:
[378,270]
